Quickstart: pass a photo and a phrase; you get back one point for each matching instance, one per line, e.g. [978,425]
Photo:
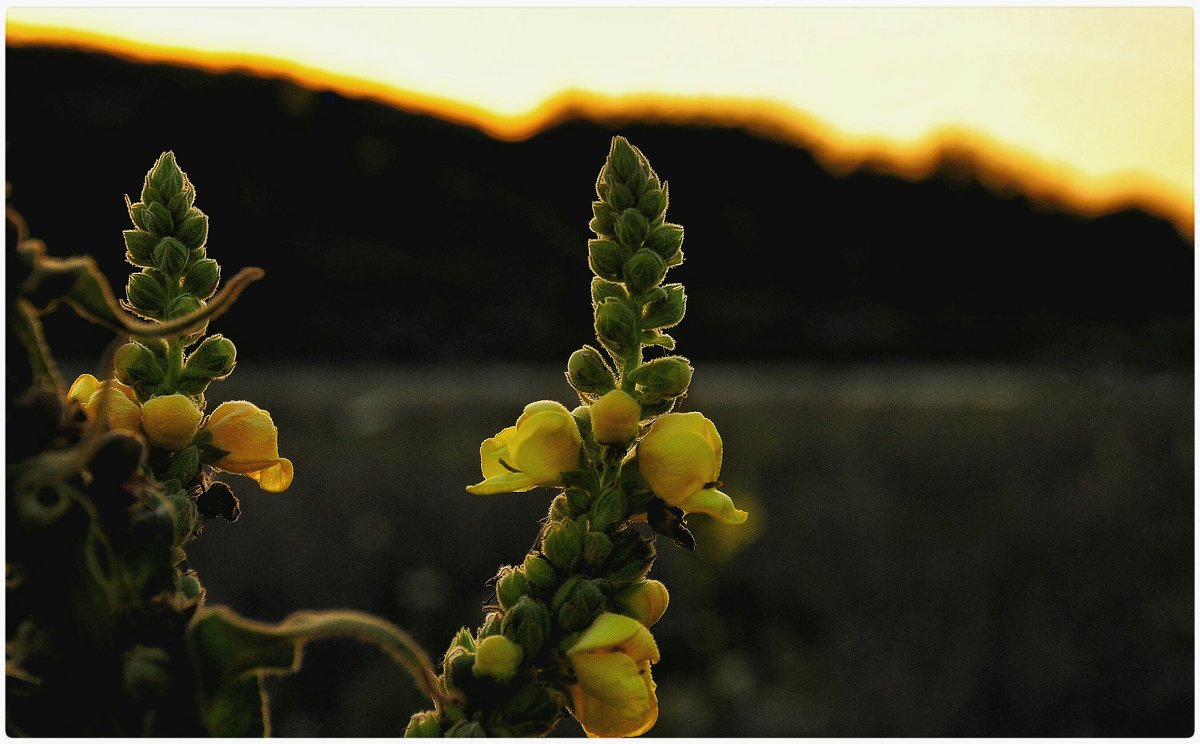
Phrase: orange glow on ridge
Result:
[1002,168]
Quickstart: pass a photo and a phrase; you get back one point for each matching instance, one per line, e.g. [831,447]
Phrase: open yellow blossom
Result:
[680,457]
[544,444]
[250,438]
[615,418]
[614,694]
[122,410]
[170,421]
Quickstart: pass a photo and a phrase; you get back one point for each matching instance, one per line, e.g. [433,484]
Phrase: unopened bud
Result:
[527,624]
[645,601]
[604,258]
[617,327]
[179,204]
[213,359]
[663,378]
[193,231]
[577,603]
[423,725]
[622,160]
[632,228]
[201,280]
[539,573]
[139,214]
[665,240]
[183,305]
[145,293]
[602,220]
[644,270]
[165,175]
[578,500]
[588,373]
[170,421]
[652,204]
[620,198]
[562,545]
[136,366]
[667,310]
[498,658]
[139,247]
[158,220]
[596,547]
[170,256]
[615,418]
[511,586]
[602,290]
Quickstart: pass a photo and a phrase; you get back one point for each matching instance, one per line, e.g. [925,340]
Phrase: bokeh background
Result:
[962,420]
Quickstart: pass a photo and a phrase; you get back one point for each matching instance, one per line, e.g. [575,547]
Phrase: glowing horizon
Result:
[1090,108]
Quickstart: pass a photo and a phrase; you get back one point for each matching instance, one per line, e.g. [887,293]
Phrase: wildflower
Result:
[544,443]
[614,695]
[615,418]
[498,658]
[645,601]
[170,421]
[249,438]
[680,457]
[122,410]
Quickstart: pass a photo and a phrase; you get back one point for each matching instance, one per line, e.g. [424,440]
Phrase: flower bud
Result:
[165,176]
[498,658]
[622,160]
[527,624]
[158,220]
[604,258]
[539,573]
[587,372]
[667,310]
[213,359]
[249,439]
[121,410]
[644,270]
[183,305]
[145,293]
[578,501]
[423,725]
[511,586]
[577,603]
[665,240]
[139,214]
[596,547]
[602,220]
[562,545]
[602,290]
[170,256]
[170,421]
[662,378]
[620,198]
[188,584]
[632,228]
[653,204]
[490,626]
[135,365]
[645,601]
[617,327]
[179,204]
[193,231]
[201,280]
[615,418]
[139,247]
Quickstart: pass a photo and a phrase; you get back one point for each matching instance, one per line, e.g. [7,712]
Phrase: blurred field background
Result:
[962,423]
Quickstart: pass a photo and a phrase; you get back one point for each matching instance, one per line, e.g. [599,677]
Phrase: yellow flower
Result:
[121,411]
[679,457]
[543,445]
[251,440]
[498,658]
[615,418]
[645,601]
[614,695]
[170,421]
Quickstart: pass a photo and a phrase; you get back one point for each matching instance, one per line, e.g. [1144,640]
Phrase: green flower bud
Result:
[602,290]
[630,559]
[145,673]
[511,586]
[587,372]
[179,204]
[596,547]
[136,365]
[604,258]
[539,573]
[459,669]
[560,509]
[562,545]
[610,507]
[193,231]
[188,585]
[423,725]
[145,293]
[602,220]
[213,359]
[183,305]
[527,624]
[577,603]
[139,247]
[466,729]
[617,327]
[498,658]
[170,256]
[490,626]
[619,197]
[662,378]
[666,311]
[653,204]
[665,240]
[201,280]
[165,176]
[158,220]
[151,194]
[644,270]
[632,228]
[578,500]
[622,160]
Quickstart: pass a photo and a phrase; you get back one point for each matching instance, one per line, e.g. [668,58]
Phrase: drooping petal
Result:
[493,450]
[609,630]
[276,478]
[505,483]
[677,464]
[614,679]
[716,504]
[599,719]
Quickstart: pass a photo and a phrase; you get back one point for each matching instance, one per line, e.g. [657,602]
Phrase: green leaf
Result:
[239,710]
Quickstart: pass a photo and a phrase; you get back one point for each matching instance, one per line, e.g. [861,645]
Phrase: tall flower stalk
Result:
[569,628]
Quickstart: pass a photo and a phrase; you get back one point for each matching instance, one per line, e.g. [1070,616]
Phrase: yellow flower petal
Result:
[249,437]
[615,417]
[610,631]
[83,388]
[599,719]
[504,483]
[614,679]
[170,421]
[546,444]
[677,464]
[716,504]
[493,450]
[120,412]
[645,601]
[275,479]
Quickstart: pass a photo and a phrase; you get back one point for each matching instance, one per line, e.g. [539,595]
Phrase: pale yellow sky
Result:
[1105,94]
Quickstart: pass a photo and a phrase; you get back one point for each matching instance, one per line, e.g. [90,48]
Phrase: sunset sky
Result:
[1093,101]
